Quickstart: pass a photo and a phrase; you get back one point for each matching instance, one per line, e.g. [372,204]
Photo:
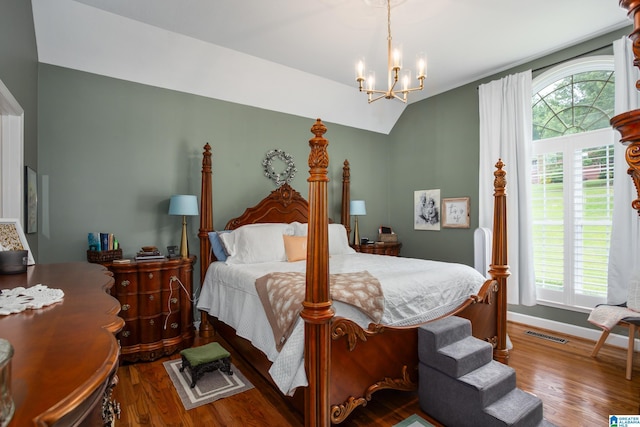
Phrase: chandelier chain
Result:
[389,20]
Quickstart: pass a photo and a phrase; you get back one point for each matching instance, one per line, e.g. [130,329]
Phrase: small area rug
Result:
[211,387]
[414,421]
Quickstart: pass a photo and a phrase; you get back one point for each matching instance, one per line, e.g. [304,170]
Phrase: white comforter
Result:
[415,291]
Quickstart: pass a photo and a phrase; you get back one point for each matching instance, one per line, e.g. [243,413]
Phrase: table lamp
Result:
[185,205]
[357,208]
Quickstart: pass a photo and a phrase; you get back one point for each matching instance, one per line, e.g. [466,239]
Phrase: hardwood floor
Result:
[576,390]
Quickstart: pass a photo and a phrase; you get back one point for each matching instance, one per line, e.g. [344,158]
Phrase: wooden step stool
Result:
[205,358]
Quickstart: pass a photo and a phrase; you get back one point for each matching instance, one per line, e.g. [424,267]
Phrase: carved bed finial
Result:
[206,156]
[346,170]
[500,182]
[318,157]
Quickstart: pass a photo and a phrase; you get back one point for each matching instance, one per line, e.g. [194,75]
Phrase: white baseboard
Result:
[565,328]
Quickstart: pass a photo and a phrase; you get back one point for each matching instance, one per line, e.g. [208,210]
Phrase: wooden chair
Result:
[631,322]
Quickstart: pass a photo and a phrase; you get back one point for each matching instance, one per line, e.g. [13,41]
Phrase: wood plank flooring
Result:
[576,390]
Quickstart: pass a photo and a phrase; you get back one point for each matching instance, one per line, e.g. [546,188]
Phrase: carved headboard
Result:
[284,204]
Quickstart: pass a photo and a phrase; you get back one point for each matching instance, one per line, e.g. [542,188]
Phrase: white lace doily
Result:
[19,299]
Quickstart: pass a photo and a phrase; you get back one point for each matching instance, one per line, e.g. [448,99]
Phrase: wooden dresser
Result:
[66,354]
[386,248]
[155,298]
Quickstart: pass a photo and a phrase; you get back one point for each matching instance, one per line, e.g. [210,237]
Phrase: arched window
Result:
[572,181]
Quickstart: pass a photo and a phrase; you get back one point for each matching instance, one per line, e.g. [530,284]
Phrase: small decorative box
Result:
[387,237]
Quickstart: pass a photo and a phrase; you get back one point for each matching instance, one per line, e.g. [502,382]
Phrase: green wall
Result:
[435,146]
[113,153]
[19,73]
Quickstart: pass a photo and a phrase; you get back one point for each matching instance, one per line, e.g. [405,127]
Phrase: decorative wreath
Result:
[284,176]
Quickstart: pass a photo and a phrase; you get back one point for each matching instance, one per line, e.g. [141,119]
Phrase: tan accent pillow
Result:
[295,247]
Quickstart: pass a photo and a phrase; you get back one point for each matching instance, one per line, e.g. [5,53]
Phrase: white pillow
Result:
[299,228]
[338,241]
[256,243]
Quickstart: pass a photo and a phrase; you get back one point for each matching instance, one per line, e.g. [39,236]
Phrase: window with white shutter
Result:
[572,182]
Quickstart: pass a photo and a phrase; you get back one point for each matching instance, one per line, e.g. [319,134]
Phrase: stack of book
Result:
[148,253]
[102,242]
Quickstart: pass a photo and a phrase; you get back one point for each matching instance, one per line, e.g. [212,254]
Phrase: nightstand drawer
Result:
[151,329]
[128,306]
[172,324]
[385,248]
[129,334]
[150,303]
[125,283]
[149,280]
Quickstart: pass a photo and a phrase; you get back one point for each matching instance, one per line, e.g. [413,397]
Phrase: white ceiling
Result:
[299,56]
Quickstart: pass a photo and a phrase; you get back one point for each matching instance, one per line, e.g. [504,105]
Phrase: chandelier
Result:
[394,73]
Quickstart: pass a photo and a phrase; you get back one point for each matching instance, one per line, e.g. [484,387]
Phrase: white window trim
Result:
[580,65]
[11,156]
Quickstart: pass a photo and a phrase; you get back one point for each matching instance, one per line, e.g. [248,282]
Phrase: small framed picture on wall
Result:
[426,206]
[455,212]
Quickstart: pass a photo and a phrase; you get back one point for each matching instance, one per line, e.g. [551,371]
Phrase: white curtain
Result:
[624,250]
[506,133]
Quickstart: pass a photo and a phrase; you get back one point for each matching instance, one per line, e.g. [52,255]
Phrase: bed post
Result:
[346,199]
[206,225]
[628,123]
[317,311]
[499,269]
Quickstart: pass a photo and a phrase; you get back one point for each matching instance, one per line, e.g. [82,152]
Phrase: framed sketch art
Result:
[12,237]
[455,213]
[426,207]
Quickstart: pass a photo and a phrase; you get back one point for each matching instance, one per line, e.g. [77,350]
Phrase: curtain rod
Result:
[573,57]
[567,59]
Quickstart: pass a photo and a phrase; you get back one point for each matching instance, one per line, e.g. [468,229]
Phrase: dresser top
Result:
[65,351]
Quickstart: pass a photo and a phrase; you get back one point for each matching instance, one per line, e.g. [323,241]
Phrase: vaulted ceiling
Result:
[299,56]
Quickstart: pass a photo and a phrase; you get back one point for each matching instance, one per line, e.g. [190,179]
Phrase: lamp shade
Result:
[183,204]
[357,207]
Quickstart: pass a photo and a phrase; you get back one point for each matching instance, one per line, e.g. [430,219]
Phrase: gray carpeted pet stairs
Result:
[461,385]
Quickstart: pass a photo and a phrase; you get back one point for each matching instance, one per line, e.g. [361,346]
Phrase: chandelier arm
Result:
[380,91]
[393,86]
[395,96]
[413,89]
[384,94]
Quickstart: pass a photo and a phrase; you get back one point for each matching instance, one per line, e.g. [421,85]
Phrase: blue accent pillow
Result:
[216,245]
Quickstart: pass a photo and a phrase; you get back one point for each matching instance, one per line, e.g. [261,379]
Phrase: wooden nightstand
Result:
[385,248]
[156,308]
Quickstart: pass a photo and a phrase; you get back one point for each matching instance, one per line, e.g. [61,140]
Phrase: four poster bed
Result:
[345,356]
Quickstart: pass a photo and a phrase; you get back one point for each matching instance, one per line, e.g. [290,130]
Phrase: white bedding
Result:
[415,291]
